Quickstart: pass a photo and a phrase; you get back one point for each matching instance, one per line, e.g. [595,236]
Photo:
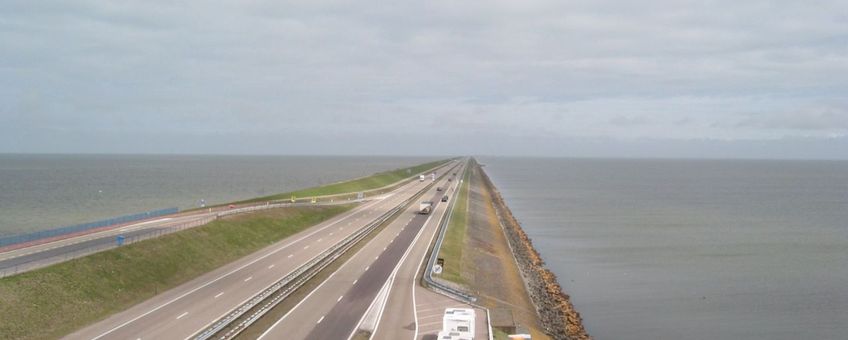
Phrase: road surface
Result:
[334,309]
[191,307]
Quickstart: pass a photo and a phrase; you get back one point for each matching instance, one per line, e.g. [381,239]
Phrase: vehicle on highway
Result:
[458,323]
[425,207]
[438,188]
[445,198]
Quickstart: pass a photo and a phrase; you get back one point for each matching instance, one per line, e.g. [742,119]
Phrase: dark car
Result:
[445,198]
[439,189]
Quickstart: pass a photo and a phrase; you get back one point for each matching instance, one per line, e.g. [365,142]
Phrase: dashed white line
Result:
[320,239]
[219,295]
[271,266]
[366,268]
[307,247]
[340,298]
[182,315]
[331,234]
[321,319]
[248,278]
[354,281]
[290,255]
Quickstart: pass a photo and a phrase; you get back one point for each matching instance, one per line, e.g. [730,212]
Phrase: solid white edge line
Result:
[316,289]
[248,299]
[392,279]
[225,275]
[302,301]
[415,279]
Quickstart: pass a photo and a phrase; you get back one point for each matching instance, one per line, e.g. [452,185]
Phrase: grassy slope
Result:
[375,181]
[56,300]
[454,240]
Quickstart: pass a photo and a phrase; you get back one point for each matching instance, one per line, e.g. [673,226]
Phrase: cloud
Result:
[673,70]
[818,118]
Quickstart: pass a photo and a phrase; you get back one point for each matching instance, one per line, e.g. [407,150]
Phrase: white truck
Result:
[458,324]
[421,178]
[425,207]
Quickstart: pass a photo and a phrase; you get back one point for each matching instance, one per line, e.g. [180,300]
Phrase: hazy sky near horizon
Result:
[654,78]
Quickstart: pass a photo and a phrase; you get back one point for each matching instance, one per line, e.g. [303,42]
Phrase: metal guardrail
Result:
[442,288]
[33,236]
[34,264]
[294,280]
[428,272]
[109,243]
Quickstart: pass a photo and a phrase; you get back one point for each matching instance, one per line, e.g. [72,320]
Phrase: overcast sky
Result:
[649,78]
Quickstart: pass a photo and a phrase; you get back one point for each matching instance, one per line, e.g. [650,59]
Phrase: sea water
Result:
[690,249]
[45,191]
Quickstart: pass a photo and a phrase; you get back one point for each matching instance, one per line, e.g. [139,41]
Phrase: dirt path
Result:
[556,314]
[488,266]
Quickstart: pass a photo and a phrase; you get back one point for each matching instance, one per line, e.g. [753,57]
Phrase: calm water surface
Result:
[688,249]
[45,191]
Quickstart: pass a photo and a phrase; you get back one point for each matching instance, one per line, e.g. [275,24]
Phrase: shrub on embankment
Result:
[53,301]
[557,314]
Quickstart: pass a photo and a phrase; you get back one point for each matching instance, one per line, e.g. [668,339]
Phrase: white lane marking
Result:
[354,281]
[307,247]
[290,255]
[182,315]
[304,300]
[340,298]
[248,278]
[331,234]
[143,223]
[320,239]
[420,263]
[271,266]
[321,319]
[219,295]
[223,276]
[377,257]
[384,248]
[366,268]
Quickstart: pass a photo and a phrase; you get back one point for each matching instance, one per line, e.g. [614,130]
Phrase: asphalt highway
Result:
[51,252]
[186,310]
[35,256]
[335,308]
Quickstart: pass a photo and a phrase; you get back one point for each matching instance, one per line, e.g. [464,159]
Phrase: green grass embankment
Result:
[372,182]
[454,240]
[53,301]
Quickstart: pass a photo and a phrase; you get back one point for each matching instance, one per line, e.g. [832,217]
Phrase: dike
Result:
[556,313]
